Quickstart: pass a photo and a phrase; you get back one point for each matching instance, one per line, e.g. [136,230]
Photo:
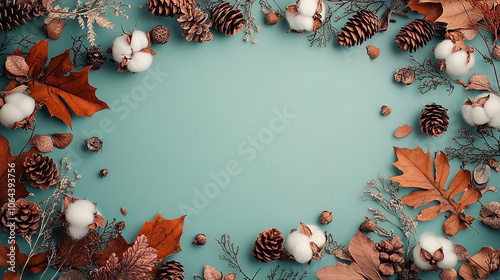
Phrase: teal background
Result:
[162,143]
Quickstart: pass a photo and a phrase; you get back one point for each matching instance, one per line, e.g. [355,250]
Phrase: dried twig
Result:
[475,147]
[429,76]
[24,42]
[284,274]
[231,255]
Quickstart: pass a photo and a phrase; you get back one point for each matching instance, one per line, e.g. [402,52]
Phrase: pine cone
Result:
[171,270]
[41,171]
[434,119]
[415,35]
[268,246]
[193,23]
[169,8]
[226,19]
[362,26]
[95,58]
[391,255]
[13,14]
[23,214]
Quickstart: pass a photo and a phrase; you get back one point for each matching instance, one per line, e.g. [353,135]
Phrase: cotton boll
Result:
[479,116]
[121,48]
[9,115]
[303,252]
[307,7]
[300,22]
[449,261]
[446,244]
[77,232]
[467,114]
[417,259]
[444,49]
[495,122]
[429,242]
[139,40]
[294,240]
[139,62]
[456,63]
[318,236]
[80,213]
[492,106]
[24,103]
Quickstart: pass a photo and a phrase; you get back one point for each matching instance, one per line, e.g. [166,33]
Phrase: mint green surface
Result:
[197,109]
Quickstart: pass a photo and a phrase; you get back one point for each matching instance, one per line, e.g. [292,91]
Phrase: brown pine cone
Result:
[434,119]
[391,255]
[41,171]
[95,58]
[362,26]
[415,35]
[169,8]
[171,270]
[195,28]
[23,215]
[226,19]
[13,14]
[268,246]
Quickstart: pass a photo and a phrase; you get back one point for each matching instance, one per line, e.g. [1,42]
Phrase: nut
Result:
[94,144]
[54,28]
[404,75]
[272,18]
[385,110]
[160,34]
[368,225]
[104,172]
[325,217]
[200,239]
[372,51]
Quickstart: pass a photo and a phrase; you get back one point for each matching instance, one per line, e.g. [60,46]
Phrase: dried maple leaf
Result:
[339,271]
[36,264]
[482,264]
[417,173]
[137,263]
[432,11]
[73,253]
[118,246]
[55,82]
[164,235]
[11,169]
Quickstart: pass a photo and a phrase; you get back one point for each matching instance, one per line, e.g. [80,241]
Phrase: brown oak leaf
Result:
[482,264]
[417,173]
[366,256]
[164,235]
[36,264]
[432,11]
[11,169]
[137,263]
[55,83]
[340,271]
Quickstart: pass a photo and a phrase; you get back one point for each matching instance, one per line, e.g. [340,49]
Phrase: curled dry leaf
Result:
[16,65]
[385,19]
[448,274]
[124,211]
[482,264]
[372,51]
[305,230]
[403,131]
[490,214]
[461,252]
[466,271]
[479,82]
[342,254]
[210,273]
[62,140]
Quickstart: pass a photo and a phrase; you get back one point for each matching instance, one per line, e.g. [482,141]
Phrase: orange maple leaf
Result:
[11,169]
[51,84]
[36,264]
[417,173]
[118,246]
[163,235]
[431,10]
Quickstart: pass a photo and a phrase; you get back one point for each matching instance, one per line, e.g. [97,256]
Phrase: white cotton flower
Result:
[456,63]
[307,7]
[492,109]
[139,62]
[78,233]
[303,21]
[303,253]
[444,49]
[299,245]
[417,259]
[121,48]
[17,107]
[467,114]
[80,213]
[318,236]
[479,116]
[431,243]
[488,113]
[294,240]
[139,40]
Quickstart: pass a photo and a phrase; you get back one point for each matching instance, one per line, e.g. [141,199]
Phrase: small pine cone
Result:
[41,171]
[95,58]
[195,28]
[23,214]
[362,26]
[226,19]
[13,14]
[268,246]
[415,35]
[169,8]
[171,270]
[434,119]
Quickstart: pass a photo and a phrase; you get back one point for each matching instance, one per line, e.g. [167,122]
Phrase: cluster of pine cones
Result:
[365,24]
[14,14]
[223,17]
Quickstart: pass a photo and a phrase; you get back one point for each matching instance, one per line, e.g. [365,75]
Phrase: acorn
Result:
[54,28]
[272,18]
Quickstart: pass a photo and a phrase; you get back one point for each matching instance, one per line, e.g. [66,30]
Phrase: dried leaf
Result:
[461,252]
[490,214]
[432,11]
[37,263]
[372,51]
[118,246]
[479,82]
[417,173]
[467,272]
[11,169]
[293,9]
[469,33]
[75,253]
[485,262]
[9,275]
[364,253]
[338,272]
[72,275]
[137,263]
[342,254]
[403,131]
[164,235]
[210,273]
[305,230]
[62,140]
[229,276]
[385,19]
[16,65]
[55,82]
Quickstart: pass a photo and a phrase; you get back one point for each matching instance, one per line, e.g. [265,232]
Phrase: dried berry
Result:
[368,225]
[385,110]
[404,75]
[200,239]
[124,211]
[160,34]
[94,144]
[272,18]
[104,172]
[325,217]
[54,28]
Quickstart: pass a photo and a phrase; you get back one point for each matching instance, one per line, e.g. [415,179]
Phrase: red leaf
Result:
[11,276]
[5,159]
[75,253]
[118,246]
[164,235]
[36,264]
